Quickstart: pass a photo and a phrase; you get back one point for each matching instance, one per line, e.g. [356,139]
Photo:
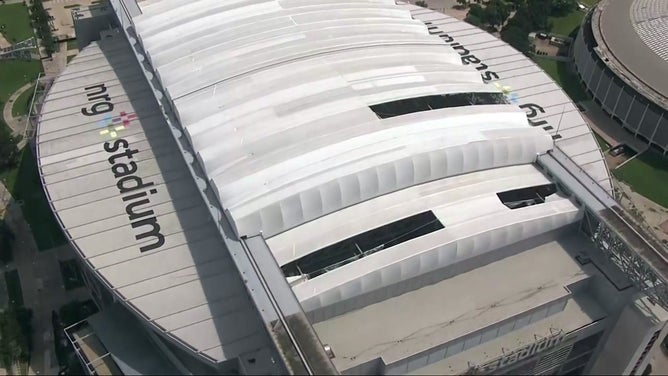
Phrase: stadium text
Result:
[468,57]
[124,169]
[520,354]
[487,75]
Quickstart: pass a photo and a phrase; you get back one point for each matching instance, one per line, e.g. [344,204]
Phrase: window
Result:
[362,245]
[432,102]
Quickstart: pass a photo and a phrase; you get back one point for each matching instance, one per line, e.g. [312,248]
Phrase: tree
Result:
[563,7]
[464,3]
[9,152]
[517,38]
[521,20]
[496,13]
[538,13]
[475,10]
[473,20]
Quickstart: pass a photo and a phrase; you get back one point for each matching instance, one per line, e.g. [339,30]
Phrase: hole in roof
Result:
[433,102]
[361,245]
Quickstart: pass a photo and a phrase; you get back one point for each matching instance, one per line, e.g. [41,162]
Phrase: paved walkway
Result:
[56,64]
[659,362]
[608,129]
[17,124]
[42,285]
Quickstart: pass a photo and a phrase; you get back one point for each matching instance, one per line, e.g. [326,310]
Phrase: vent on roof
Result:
[433,102]
[362,245]
[519,198]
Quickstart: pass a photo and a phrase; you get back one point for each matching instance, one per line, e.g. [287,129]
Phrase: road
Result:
[41,282]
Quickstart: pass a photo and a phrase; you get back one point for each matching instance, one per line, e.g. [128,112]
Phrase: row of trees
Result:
[41,22]
[529,15]
[9,151]
[493,14]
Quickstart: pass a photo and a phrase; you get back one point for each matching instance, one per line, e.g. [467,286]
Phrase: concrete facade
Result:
[620,95]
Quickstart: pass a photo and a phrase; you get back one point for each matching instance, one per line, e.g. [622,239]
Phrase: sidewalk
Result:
[608,129]
[42,286]
[16,124]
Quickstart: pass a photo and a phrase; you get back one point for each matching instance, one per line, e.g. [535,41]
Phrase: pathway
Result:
[42,285]
[609,129]
[17,124]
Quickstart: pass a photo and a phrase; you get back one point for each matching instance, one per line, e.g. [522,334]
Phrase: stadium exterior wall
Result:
[636,113]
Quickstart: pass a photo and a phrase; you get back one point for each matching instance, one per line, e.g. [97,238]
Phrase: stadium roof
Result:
[158,251]
[631,37]
[278,97]
[444,313]
[301,113]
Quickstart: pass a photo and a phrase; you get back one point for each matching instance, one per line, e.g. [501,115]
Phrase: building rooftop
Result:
[304,116]
[444,312]
[631,41]
[577,313]
[525,84]
[131,209]
[289,120]
[473,220]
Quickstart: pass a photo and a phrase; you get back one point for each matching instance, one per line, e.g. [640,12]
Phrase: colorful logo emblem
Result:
[114,124]
[508,92]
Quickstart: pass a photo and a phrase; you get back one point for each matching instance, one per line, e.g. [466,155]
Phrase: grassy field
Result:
[567,79]
[601,142]
[20,106]
[72,44]
[566,24]
[16,22]
[589,3]
[14,292]
[14,74]
[25,185]
[647,174]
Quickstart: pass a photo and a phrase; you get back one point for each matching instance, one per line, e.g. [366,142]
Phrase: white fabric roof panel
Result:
[289,194]
[178,285]
[285,133]
[307,238]
[275,99]
[483,225]
[543,100]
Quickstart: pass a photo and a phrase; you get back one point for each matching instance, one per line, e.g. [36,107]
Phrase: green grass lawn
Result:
[72,44]
[20,106]
[14,74]
[589,3]
[566,24]
[14,292]
[567,79]
[25,185]
[601,142]
[16,22]
[647,174]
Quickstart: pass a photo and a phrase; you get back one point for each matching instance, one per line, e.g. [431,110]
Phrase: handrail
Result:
[562,154]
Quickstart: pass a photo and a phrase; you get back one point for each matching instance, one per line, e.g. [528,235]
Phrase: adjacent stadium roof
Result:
[631,37]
